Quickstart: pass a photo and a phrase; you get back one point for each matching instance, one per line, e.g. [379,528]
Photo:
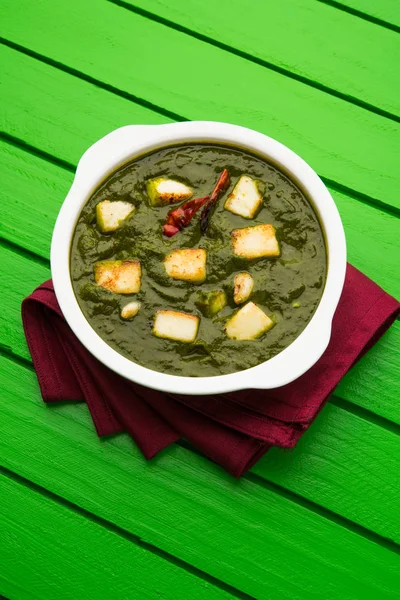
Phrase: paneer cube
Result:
[188,264]
[162,191]
[130,310]
[109,215]
[174,325]
[243,286]
[255,242]
[249,323]
[210,303]
[245,198]
[119,276]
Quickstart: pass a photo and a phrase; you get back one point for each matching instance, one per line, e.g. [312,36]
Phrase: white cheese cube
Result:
[119,276]
[245,198]
[174,325]
[162,191]
[243,286]
[249,323]
[188,264]
[130,310]
[109,215]
[255,242]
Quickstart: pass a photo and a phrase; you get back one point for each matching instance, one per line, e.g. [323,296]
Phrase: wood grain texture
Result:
[385,10]
[32,199]
[49,551]
[78,111]
[19,277]
[373,383]
[352,487]
[242,533]
[352,59]
[32,191]
[341,141]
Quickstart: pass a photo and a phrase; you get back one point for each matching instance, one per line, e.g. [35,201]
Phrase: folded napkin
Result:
[234,430]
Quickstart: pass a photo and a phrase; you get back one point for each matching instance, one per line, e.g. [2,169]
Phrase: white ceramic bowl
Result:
[127,143]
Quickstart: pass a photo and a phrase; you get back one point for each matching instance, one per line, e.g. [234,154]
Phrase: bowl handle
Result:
[312,342]
[97,157]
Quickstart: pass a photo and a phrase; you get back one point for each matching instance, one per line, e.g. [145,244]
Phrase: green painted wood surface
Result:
[310,523]
[60,102]
[384,10]
[39,539]
[374,382]
[20,275]
[238,531]
[340,60]
[82,110]
[343,142]
[330,450]
[32,190]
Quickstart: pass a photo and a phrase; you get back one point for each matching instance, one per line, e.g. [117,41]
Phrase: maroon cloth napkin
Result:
[234,430]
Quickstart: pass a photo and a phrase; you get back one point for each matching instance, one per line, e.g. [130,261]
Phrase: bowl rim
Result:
[127,143]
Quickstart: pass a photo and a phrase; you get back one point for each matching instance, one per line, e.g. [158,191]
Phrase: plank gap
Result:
[259,61]
[364,198]
[105,86]
[361,15]
[9,354]
[24,252]
[312,506]
[387,543]
[134,539]
[365,414]
[18,143]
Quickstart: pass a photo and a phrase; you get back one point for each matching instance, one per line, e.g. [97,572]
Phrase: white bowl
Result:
[127,143]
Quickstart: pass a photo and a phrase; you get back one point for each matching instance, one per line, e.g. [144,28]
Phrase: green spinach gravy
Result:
[287,288]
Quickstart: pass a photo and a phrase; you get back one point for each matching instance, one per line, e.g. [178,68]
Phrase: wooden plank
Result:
[51,551]
[384,10]
[343,142]
[331,466]
[340,61]
[20,276]
[337,438]
[242,533]
[374,382]
[31,194]
[80,112]
[27,222]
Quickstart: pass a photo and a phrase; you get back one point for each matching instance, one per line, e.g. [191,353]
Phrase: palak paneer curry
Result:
[198,260]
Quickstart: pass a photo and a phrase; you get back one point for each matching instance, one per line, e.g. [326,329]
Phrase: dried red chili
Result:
[180,217]
[222,184]
[170,230]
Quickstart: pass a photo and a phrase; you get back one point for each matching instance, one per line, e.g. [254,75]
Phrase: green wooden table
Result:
[85,519]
